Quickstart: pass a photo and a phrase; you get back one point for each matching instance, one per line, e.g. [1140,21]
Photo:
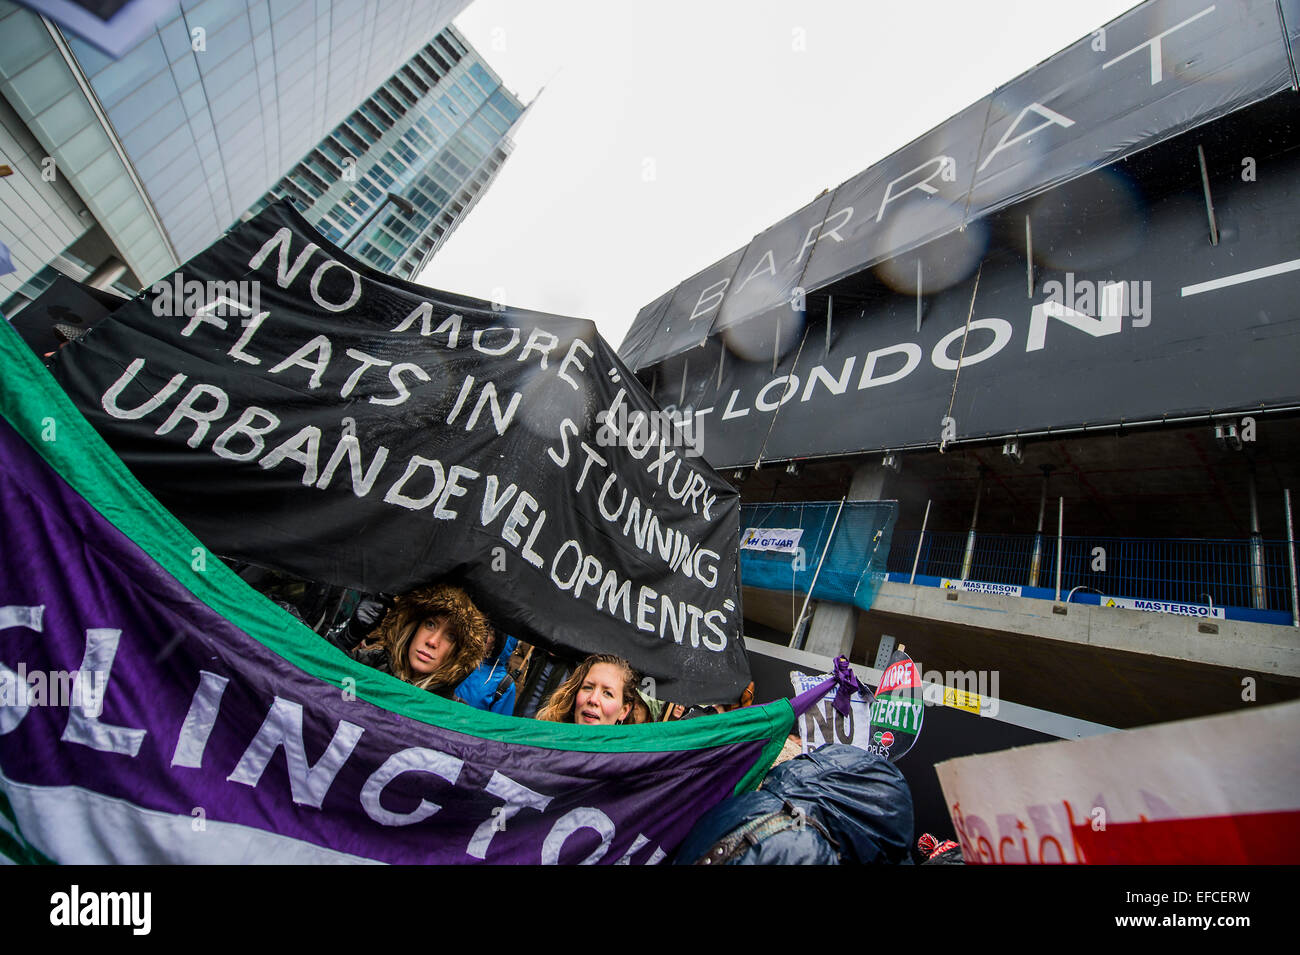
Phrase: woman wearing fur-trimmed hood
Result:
[433,637]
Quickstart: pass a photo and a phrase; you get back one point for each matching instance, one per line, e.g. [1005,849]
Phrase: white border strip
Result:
[1241,277]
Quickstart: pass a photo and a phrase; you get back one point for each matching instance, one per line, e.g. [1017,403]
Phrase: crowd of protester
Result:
[838,804]
[437,639]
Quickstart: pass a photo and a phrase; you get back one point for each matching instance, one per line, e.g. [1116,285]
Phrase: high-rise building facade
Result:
[125,168]
[434,135]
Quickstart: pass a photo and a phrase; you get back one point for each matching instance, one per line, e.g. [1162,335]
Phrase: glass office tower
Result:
[435,135]
[154,154]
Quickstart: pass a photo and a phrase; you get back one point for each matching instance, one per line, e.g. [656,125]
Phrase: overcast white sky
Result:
[671,132]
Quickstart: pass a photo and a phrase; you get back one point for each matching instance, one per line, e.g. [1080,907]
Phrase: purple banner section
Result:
[189,715]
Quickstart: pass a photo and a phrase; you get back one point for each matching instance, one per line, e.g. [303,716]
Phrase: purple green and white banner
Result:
[155,709]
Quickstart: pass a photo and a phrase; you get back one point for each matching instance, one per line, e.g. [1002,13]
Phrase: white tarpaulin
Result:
[1221,789]
[782,539]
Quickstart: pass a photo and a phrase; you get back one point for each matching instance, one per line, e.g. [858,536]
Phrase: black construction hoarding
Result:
[685,320]
[773,266]
[919,193]
[644,327]
[1135,316]
[302,412]
[1160,69]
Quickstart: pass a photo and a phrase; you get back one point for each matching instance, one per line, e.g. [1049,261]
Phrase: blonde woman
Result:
[600,692]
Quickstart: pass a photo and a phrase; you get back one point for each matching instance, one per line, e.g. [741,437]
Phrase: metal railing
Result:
[1175,570]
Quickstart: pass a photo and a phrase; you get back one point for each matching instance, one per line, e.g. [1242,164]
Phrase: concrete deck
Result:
[1117,667]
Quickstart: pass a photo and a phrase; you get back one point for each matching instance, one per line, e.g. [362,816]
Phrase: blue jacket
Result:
[479,687]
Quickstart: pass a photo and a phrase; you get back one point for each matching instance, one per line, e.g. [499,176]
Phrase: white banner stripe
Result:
[72,825]
[1240,277]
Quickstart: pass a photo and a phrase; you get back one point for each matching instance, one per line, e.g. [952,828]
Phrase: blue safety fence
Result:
[854,565]
[1174,570]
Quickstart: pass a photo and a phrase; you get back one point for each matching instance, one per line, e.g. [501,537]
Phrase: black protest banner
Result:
[298,410]
[63,312]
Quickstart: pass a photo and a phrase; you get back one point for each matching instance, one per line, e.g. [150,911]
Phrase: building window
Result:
[459,95]
[416,81]
[329,230]
[347,219]
[361,131]
[484,78]
[434,137]
[432,64]
[451,43]
[403,92]
[389,100]
[442,64]
[376,116]
[380,175]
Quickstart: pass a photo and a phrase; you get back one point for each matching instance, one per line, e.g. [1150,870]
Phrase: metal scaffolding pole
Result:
[917,560]
[1029,258]
[1060,542]
[1036,561]
[1258,596]
[969,557]
[1209,202]
[1290,553]
[796,635]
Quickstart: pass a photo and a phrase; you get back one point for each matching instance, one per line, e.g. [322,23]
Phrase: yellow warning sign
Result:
[961,700]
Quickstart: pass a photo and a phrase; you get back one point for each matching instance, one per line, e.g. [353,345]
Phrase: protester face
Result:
[431,647]
[600,698]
